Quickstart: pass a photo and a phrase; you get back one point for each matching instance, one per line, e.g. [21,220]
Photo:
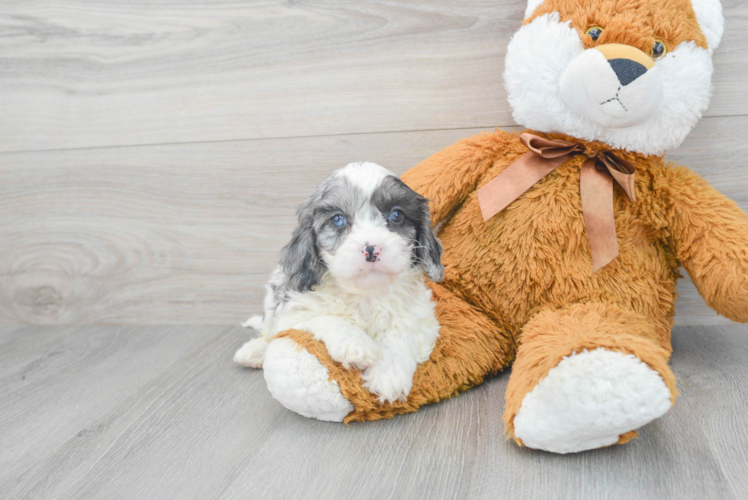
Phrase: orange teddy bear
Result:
[562,247]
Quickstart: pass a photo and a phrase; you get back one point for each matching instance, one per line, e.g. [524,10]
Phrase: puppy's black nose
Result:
[627,70]
[371,253]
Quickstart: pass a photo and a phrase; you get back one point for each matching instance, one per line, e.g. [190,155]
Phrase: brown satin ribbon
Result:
[596,188]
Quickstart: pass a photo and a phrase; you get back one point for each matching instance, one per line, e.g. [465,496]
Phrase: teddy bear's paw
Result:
[588,400]
[353,348]
[390,380]
[252,353]
[301,383]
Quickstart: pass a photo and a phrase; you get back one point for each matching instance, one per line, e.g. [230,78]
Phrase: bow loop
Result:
[622,171]
[549,148]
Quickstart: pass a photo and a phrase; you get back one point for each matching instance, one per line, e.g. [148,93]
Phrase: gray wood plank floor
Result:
[162,412]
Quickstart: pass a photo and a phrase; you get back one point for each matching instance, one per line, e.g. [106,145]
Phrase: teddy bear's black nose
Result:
[627,70]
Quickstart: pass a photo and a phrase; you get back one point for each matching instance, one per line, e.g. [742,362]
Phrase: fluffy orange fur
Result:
[520,285]
[637,23]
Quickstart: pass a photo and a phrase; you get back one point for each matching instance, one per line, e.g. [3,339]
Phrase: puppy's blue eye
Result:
[338,221]
[396,216]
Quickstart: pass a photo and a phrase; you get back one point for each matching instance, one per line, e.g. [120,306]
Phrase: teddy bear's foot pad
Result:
[301,383]
[588,400]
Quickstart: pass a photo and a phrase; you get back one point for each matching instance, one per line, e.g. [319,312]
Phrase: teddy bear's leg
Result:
[302,376]
[585,377]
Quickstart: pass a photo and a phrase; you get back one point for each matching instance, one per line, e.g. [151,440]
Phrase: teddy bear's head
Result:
[635,74]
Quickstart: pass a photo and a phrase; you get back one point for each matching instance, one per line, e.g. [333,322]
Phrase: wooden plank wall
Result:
[152,154]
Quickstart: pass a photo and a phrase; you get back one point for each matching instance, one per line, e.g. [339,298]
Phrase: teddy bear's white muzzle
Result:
[615,89]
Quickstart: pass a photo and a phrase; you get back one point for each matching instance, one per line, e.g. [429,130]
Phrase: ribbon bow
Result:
[596,188]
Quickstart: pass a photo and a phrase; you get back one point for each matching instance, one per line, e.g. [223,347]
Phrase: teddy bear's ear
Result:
[531,6]
[709,15]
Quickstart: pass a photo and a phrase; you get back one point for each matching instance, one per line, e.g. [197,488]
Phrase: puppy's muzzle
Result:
[614,85]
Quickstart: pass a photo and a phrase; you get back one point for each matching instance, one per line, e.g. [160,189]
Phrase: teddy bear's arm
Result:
[709,233]
[448,177]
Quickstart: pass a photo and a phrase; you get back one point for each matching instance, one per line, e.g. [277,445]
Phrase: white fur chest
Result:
[403,306]
[385,333]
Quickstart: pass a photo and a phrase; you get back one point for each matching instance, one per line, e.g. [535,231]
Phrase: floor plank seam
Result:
[290,137]
[253,139]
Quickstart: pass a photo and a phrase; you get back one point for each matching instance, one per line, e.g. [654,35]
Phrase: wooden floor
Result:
[161,412]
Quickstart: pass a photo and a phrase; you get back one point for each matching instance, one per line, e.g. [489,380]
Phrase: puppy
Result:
[352,276]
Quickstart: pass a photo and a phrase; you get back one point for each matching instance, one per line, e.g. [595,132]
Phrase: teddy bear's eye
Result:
[594,32]
[659,49]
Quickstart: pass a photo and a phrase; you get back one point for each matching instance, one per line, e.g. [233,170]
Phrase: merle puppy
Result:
[352,276]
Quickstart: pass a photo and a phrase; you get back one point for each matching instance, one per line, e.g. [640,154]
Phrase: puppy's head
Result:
[364,226]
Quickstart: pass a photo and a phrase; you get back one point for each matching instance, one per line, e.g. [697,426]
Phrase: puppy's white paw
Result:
[390,380]
[353,349]
[589,400]
[251,354]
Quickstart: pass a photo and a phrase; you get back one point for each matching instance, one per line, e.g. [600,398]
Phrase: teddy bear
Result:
[562,244]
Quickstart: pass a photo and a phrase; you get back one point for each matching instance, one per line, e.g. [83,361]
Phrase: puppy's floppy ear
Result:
[300,258]
[429,249]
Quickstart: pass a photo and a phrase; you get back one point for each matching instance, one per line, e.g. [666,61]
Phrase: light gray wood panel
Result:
[198,426]
[21,347]
[188,233]
[82,74]
[75,377]
[712,370]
